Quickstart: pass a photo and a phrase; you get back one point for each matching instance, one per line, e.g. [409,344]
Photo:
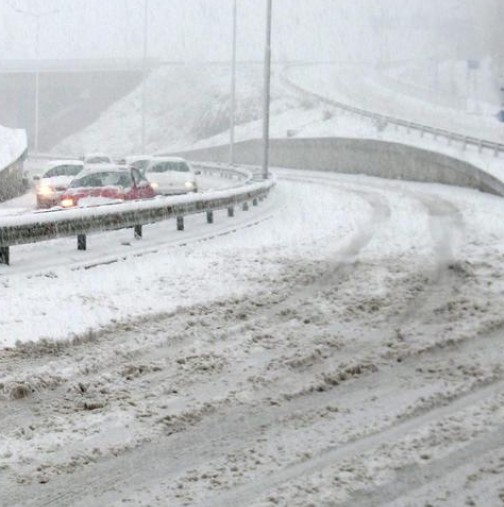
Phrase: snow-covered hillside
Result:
[185,105]
[12,145]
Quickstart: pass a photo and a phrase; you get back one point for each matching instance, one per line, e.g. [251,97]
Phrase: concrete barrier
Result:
[358,156]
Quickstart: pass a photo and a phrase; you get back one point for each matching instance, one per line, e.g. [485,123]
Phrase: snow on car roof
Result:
[56,163]
[101,168]
[132,158]
[168,159]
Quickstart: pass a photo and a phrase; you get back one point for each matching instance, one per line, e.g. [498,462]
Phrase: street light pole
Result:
[144,75]
[232,118]
[267,83]
[37,80]
[36,16]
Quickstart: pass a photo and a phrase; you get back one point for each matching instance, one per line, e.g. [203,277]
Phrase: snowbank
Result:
[12,145]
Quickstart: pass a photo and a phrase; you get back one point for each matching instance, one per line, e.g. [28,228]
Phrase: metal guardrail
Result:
[224,171]
[381,121]
[43,226]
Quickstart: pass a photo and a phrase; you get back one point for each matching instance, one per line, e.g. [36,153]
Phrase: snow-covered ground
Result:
[341,344]
[338,345]
[358,86]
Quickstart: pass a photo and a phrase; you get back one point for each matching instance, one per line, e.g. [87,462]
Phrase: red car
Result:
[106,184]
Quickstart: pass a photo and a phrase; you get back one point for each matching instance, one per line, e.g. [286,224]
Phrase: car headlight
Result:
[155,186]
[68,202]
[45,190]
[190,185]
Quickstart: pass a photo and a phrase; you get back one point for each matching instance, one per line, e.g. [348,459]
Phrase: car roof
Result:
[168,159]
[132,158]
[97,154]
[104,168]
[56,163]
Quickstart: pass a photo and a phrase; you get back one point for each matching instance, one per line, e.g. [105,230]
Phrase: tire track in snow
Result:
[107,477]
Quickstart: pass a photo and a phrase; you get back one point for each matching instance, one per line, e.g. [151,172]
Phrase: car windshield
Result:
[63,170]
[104,179]
[163,167]
[140,164]
[98,160]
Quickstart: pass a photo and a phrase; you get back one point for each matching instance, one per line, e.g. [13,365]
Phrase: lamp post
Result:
[267,83]
[36,16]
[144,75]
[232,118]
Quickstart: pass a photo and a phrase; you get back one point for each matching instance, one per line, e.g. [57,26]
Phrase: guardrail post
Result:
[245,206]
[180,223]
[209,217]
[138,232]
[4,255]
[422,132]
[231,211]
[480,146]
[496,151]
[449,137]
[81,242]
[464,143]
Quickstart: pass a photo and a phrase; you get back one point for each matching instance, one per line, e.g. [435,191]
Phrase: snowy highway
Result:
[341,344]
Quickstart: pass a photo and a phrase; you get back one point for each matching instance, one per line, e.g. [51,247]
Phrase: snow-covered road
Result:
[342,346]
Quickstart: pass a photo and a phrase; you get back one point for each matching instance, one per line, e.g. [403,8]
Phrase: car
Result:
[171,175]
[55,180]
[96,158]
[139,161]
[106,184]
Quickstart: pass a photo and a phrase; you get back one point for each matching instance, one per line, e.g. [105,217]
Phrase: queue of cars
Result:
[96,180]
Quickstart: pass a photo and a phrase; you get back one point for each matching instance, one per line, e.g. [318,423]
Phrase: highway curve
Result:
[360,366]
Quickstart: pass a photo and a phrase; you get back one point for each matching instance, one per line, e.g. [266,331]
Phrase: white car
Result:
[55,180]
[140,162]
[96,158]
[171,175]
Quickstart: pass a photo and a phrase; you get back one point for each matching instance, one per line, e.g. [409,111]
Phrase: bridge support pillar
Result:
[209,217]
[180,223]
[138,232]
[81,242]
[4,255]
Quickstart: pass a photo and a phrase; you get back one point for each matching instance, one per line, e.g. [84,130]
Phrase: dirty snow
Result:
[338,345]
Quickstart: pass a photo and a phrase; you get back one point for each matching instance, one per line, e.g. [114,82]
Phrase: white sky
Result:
[190,30]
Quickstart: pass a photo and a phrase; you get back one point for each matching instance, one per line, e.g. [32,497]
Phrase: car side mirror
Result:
[197,172]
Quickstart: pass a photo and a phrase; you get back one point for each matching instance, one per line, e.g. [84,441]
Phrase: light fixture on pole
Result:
[267,83]
[144,76]
[36,16]
[232,117]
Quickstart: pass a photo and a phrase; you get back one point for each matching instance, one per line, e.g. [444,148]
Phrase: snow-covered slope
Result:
[184,106]
[12,145]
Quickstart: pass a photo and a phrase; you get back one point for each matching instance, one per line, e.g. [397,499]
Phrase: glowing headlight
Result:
[155,186]
[189,185]
[45,190]
[67,203]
